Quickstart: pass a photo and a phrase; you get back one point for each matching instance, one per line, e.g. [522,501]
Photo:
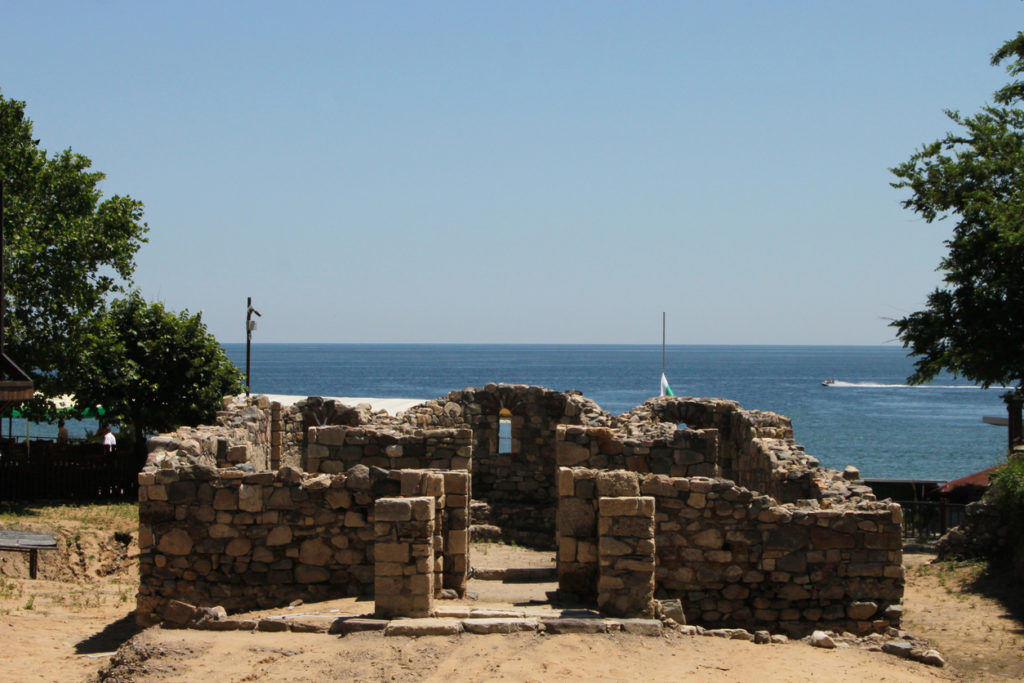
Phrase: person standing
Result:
[62,435]
[108,438]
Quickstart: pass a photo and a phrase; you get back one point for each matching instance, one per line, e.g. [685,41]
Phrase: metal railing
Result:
[928,520]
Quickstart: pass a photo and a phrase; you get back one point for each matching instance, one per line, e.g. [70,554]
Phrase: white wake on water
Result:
[876,385]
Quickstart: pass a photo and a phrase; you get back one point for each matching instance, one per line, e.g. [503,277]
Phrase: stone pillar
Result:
[625,527]
[276,435]
[576,533]
[430,483]
[403,557]
[457,487]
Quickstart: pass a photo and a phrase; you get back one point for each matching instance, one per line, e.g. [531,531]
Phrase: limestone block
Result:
[305,573]
[222,531]
[392,510]
[391,552]
[250,498]
[457,483]
[423,627]
[458,541]
[617,483]
[608,546]
[709,538]
[861,611]
[355,519]
[571,454]
[576,517]
[613,507]
[338,498]
[175,542]
[238,547]
[281,499]
[422,508]
[279,535]
[315,552]
[330,435]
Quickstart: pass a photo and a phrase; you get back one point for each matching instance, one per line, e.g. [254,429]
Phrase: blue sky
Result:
[516,171]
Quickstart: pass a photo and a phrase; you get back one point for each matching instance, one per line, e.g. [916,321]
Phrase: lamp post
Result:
[250,325]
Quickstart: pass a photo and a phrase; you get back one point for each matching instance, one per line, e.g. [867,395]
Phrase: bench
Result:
[27,542]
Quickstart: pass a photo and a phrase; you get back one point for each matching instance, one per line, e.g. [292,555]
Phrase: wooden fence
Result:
[83,472]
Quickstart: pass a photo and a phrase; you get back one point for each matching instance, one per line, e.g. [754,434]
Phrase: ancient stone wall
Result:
[675,452]
[518,485]
[246,540]
[739,559]
[242,434]
[336,448]
[755,448]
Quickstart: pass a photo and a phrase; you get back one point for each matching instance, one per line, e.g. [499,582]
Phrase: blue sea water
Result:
[869,419]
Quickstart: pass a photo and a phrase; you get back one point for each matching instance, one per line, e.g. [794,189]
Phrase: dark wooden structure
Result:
[79,472]
[27,542]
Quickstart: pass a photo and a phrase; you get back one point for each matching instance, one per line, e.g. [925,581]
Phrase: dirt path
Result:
[65,625]
[971,615]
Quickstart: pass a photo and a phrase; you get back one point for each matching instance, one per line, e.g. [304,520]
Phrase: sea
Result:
[869,418]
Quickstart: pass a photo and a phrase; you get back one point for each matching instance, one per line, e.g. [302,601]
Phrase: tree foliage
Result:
[973,325]
[68,250]
[153,370]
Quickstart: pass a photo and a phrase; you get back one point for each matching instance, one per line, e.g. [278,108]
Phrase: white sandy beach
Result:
[393,406]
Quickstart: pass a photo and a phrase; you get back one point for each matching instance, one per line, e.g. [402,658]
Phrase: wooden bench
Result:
[27,542]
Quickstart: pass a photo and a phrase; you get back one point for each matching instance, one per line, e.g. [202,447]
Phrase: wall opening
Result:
[505,432]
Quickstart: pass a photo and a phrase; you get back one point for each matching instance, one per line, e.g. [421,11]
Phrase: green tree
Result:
[153,370]
[973,325]
[68,250]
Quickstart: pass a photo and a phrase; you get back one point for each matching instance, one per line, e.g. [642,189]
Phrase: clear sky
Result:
[516,171]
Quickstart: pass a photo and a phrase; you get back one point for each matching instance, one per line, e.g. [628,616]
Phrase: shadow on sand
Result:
[998,583]
[113,636]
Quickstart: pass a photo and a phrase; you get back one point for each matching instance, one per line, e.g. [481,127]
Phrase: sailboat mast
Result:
[663,342]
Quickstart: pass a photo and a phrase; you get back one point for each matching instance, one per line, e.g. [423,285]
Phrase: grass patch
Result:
[99,515]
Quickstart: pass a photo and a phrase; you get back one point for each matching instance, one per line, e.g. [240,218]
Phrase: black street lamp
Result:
[250,325]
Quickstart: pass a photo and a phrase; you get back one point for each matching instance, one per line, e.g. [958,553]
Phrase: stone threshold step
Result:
[440,626]
[516,574]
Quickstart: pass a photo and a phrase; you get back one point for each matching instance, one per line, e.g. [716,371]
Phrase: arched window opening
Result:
[505,432]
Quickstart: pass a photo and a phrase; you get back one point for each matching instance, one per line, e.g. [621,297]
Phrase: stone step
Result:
[484,532]
[479,512]
[516,574]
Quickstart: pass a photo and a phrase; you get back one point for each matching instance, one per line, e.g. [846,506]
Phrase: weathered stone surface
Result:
[308,625]
[642,627]
[178,614]
[899,648]
[499,625]
[279,535]
[272,625]
[569,625]
[861,611]
[315,552]
[823,640]
[423,627]
[346,625]
[175,542]
[393,510]
[618,483]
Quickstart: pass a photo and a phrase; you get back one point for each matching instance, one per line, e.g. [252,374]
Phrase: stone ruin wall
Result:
[334,448]
[518,487]
[245,540]
[228,518]
[734,558]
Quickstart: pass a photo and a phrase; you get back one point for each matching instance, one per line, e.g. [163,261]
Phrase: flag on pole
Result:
[666,390]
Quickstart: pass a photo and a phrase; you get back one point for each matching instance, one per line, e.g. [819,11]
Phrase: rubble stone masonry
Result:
[681,498]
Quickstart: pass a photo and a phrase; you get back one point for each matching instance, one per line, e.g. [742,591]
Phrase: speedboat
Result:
[828,382]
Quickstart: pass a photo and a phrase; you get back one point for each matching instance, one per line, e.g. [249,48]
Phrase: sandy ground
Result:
[65,626]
